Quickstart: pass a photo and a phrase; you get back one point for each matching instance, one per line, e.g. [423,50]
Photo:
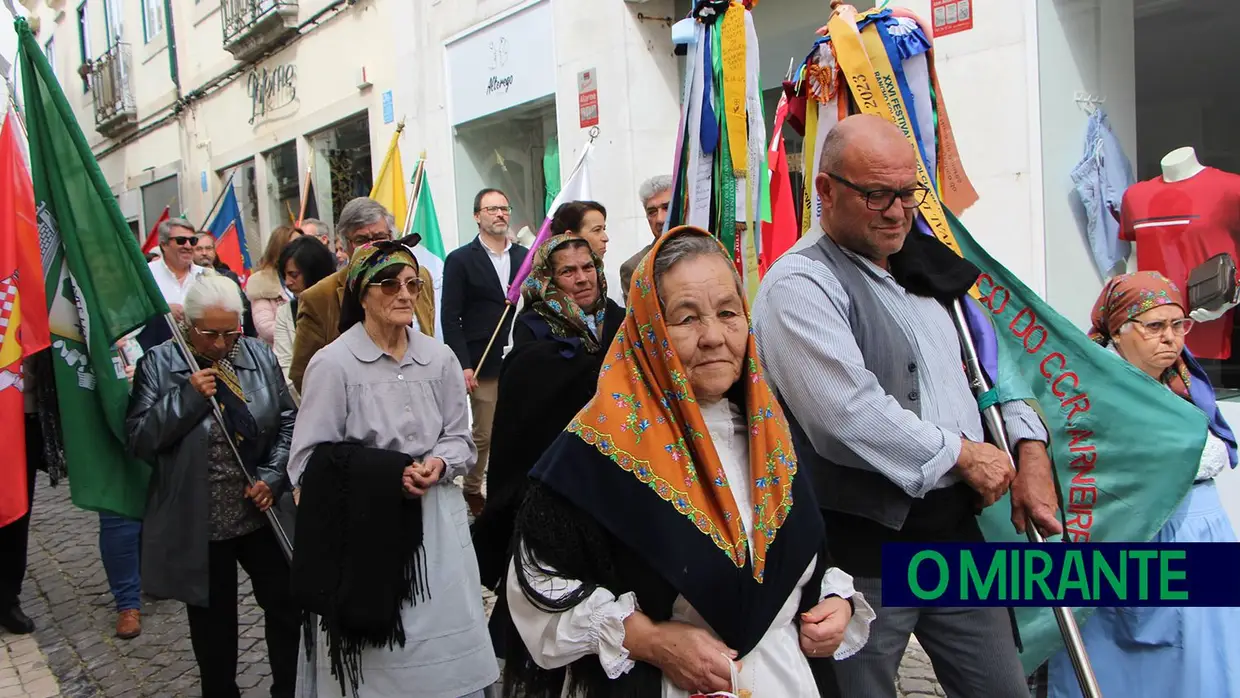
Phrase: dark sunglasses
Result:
[185,239]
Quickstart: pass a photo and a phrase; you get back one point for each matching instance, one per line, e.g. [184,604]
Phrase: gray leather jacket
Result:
[168,424]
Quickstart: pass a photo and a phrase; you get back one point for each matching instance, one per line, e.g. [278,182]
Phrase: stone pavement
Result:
[74,652]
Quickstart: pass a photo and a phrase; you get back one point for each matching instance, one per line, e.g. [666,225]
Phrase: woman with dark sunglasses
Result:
[383,553]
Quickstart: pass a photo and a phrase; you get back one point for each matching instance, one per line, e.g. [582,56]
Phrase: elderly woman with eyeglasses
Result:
[203,517]
[383,552]
[1164,651]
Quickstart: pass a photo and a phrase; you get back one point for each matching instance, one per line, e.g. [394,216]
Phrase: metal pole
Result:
[994,422]
[281,537]
[416,184]
[218,199]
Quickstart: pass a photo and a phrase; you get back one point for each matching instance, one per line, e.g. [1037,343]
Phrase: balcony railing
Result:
[251,26]
[110,87]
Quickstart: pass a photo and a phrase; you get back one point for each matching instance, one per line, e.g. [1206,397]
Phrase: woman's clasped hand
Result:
[420,477]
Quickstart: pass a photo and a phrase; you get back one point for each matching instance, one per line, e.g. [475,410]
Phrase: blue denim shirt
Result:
[1100,179]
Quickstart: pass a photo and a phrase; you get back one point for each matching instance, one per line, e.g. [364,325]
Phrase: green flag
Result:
[425,221]
[99,289]
[1125,448]
[551,172]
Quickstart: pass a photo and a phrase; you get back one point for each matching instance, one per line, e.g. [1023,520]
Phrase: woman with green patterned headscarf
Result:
[559,343]
[382,553]
[565,298]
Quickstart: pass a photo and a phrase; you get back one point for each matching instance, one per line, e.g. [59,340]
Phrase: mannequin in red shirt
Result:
[1180,220]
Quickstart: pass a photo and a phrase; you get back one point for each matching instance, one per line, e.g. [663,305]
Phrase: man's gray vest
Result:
[844,482]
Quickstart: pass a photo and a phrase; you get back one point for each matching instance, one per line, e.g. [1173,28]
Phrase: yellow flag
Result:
[389,188]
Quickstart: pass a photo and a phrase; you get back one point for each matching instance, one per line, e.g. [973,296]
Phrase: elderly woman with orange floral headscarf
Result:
[669,545]
[1164,651]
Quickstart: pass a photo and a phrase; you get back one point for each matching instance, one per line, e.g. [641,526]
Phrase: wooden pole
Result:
[305,192]
[498,326]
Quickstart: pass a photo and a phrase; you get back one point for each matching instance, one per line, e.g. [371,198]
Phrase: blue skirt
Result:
[1171,652]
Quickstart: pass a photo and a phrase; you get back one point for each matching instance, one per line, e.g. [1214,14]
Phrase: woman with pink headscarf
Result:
[1164,651]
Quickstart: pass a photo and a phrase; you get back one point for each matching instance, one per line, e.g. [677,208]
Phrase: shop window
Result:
[1174,109]
[342,167]
[283,185]
[157,195]
[505,151]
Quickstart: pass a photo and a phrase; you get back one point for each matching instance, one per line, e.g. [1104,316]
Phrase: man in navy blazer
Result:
[476,278]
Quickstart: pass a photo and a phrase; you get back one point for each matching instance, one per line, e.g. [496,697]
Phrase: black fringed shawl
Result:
[358,552]
[574,543]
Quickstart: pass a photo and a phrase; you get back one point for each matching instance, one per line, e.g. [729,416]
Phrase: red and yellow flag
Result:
[23,313]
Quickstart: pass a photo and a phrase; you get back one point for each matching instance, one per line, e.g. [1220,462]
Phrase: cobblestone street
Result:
[73,652]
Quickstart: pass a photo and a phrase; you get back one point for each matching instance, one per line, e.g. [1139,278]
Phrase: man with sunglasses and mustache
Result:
[174,270]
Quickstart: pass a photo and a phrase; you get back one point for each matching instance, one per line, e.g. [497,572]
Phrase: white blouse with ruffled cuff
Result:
[775,667]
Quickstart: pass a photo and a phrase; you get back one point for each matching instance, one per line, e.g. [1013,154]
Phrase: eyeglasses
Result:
[216,335]
[185,240]
[391,287]
[1156,328]
[882,199]
[361,240]
[495,210]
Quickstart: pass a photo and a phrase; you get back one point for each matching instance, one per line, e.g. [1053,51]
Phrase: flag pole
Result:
[416,182]
[994,422]
[498,326]
[218,199]
[538,240]
[305,194]
[286,546]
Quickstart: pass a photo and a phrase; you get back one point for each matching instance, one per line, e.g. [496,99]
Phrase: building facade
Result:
[177,96]
[180,97]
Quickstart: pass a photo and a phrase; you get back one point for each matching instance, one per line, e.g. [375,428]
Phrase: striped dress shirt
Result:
[813,363]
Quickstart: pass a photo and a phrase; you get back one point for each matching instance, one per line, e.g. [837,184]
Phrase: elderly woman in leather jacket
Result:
[203,517]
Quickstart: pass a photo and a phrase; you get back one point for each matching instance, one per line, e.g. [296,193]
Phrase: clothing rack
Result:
[1088,102]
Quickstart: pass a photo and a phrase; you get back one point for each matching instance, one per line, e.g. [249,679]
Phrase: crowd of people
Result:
[676,496]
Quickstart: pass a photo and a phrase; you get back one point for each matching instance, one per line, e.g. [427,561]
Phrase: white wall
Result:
[639,110]
[1083,46]
[638,104]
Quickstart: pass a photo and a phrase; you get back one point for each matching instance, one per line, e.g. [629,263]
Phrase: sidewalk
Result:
[73,651]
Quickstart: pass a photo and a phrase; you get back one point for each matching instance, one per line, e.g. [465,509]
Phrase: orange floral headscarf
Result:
[645,419]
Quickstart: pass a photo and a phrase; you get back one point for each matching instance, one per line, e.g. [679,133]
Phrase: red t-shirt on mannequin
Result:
[1178,226]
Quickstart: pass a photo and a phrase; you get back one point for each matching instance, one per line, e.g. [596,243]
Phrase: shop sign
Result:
[271,89]
[587,97]
[389,113]
[503,64]
[951,16]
